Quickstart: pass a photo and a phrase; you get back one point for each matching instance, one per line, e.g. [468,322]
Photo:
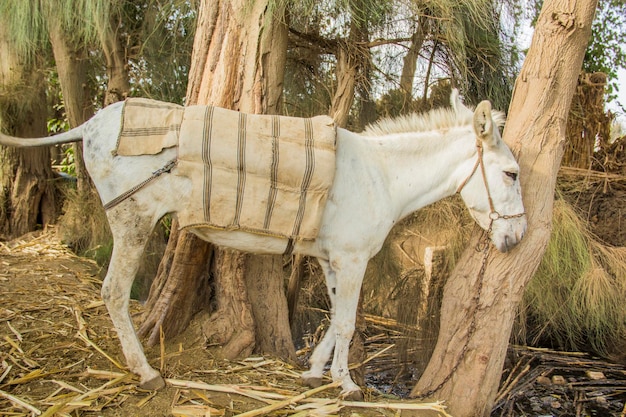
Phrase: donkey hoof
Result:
[356,395]
[311,381]
[153,384]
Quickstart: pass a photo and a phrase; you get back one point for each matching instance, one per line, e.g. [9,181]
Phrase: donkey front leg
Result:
[348,274]
[130,233]
[321,354]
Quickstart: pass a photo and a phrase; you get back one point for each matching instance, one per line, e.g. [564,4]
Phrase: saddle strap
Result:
[166,169]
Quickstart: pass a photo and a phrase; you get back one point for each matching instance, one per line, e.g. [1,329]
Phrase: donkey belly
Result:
[253,243]
[242,241]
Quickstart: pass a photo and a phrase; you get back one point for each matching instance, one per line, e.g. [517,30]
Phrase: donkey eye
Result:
[512,175]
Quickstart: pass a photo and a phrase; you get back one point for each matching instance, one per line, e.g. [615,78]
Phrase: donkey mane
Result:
[436,119]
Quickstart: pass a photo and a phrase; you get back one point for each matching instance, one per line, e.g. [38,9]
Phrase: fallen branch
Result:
[436,406]
[276,406]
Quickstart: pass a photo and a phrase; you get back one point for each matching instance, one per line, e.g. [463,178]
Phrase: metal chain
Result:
[481,246]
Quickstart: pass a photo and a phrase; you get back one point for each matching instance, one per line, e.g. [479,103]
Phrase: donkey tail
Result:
[73,135]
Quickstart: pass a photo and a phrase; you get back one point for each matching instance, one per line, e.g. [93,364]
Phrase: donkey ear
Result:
[483,123]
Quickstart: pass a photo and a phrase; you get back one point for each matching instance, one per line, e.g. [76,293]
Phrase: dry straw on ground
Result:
[59,355]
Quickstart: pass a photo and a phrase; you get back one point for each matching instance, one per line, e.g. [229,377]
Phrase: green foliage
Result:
[61,124]
[332,18]
[491,62]
[68,163]
[29,21]
[607,47]
[160,35]
[464,41]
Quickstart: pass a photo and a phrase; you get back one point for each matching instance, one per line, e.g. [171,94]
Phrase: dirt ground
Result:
[60,356]
[601,203]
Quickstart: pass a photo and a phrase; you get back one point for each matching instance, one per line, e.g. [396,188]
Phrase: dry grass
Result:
[394,276]
[84,226]
[85,229]
[59,355]
[398,283]
[575,301]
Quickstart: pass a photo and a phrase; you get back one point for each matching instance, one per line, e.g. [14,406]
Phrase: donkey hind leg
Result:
[321,353]
[130,232]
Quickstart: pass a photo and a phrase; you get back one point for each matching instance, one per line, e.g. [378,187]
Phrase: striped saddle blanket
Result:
[263,174]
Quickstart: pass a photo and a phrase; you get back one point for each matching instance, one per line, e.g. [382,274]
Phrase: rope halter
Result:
[493,213]
[482,246]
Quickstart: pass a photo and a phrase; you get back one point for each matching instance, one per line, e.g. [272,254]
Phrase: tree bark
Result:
[26,179]
[28,194]
[118,85]
[71,64]
[231,325]
[409,64]
[237,63]
[536,132]
[347,69]
[263,278]
[174,297]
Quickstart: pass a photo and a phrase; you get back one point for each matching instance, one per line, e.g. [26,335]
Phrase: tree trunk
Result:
[536,132]
[431,61]
[118,85]
[347,70]
[264,276]
[26,179]
[28,194]
[71,63]
[409,64]
[175,296]
[237,63]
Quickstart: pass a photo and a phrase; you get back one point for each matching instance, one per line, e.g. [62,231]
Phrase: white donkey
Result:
[395,168]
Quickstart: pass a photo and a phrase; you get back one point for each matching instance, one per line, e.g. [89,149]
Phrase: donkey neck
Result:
[421,168]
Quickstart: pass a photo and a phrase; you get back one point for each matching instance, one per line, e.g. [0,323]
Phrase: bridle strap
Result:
[464,183]
[492,209]
[493,214]
[481,246]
